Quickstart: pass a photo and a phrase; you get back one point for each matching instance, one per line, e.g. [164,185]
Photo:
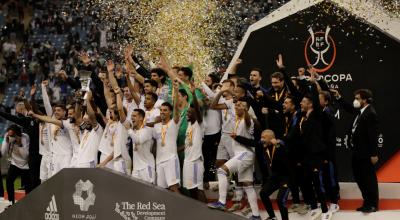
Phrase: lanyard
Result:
[301,123]
[190,135]
[85,138]
[55,131]
[271,155]
[237,121]
[163,133]
[277,98]
[147,114]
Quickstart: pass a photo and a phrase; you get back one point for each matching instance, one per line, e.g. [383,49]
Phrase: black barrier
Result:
[98,194]
[348,52]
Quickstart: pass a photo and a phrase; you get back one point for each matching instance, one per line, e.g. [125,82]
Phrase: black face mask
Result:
[88,127]
[83,126]
[72,120]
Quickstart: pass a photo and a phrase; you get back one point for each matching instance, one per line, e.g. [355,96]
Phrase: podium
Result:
[97,194]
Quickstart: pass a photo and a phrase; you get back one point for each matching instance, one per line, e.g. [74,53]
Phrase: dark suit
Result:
[313,145]
[363,139]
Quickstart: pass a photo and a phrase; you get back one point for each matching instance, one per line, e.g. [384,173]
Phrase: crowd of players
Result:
[158,126]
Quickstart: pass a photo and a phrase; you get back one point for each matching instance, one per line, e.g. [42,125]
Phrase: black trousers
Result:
[209,149]
[13,173]
[330,181]
[34,172]
[296,181]
[365,176]
[275,182]
[314,189]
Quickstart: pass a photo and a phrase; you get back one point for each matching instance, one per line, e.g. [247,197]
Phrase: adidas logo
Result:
[51,211]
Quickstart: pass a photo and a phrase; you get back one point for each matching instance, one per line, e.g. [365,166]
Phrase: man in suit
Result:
[363,138]
[312,144]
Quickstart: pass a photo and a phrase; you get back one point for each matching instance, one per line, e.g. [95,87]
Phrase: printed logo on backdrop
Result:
[84,197]
[141,210]
[320,50]
[51,210]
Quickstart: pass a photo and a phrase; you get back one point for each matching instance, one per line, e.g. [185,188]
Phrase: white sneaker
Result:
[326,216]
[246,210]
[293,208]
[302,209]
[334,208]
[315,214]
[235,207]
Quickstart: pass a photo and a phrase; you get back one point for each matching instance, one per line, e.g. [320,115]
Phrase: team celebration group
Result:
[166,128]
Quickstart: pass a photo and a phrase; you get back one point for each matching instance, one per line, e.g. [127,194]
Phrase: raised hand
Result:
[110,66]
[76,72]
[128,54]
[279,62]
[176,84]
[31,113]
[33,90]
[117,90]
[238,61]
[45,83]
[63,74]
[84,57]
[335,93]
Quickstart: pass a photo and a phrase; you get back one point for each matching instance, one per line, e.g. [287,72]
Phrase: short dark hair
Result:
[152,82]
[187,71]
[141,112]
[16,129]
[160,73]
[183,93]
[167,104]
[242,86]
[153,96]
[309,97]
[244,99]
[214,77]
[292,99]
[231,76]
[277,75]
[327,96]
[258,70]
[59,105]
[228,81]
[365,94]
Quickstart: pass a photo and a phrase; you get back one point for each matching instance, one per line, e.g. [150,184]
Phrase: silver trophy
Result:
[85,81]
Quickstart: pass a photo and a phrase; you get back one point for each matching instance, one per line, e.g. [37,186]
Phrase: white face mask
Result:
[356,104]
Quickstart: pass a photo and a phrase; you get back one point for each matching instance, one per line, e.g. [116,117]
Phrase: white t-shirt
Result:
[89,145]
[242,130]
[228,116]
[167,150]
[130,106]
[142,140]
[158,103]
[17,154]
[60,142]
[44,139]
[212,122]
[152,115]
[74,134]
[106,143]
[193,147]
